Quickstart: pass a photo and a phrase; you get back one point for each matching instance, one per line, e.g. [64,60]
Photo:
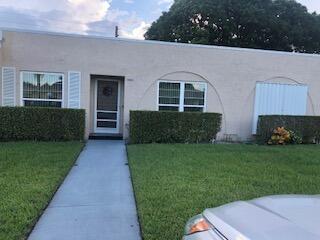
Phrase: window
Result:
[194,95]
[182,96]
[169,96]
[42,89]
[279,99]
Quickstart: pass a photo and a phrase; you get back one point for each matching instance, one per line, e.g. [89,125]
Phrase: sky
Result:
[93,17]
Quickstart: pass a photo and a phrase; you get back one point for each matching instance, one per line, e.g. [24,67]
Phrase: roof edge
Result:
[156,42]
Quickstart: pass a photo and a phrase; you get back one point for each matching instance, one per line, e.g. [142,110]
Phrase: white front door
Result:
[107,106]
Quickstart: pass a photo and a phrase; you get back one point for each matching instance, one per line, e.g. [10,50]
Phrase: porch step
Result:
[103,136]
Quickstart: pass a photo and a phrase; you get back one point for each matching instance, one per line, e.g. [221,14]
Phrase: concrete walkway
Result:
[96,200]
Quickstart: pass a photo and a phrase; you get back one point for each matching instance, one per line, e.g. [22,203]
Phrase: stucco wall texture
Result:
[231,73]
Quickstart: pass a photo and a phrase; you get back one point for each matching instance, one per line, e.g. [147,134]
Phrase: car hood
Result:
[269,218]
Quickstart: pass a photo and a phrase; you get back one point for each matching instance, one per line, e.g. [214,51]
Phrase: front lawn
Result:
[175,182]
[30,173]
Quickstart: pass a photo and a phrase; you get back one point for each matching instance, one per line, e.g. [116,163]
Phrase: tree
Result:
[266,24]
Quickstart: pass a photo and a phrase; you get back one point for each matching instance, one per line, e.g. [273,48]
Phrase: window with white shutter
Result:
[42,89]
[279,99]
[74,79]
[8,86]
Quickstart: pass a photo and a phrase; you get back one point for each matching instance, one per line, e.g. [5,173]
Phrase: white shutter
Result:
[74,79]
[8,86]
[279,99]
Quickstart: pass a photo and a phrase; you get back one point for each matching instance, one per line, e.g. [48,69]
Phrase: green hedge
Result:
[43,124]
[173,127]
[307,127]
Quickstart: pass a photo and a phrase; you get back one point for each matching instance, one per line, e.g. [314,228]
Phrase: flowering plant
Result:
[280,136]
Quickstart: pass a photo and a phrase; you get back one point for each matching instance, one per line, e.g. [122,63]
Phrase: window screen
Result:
[42,89]
[182,96]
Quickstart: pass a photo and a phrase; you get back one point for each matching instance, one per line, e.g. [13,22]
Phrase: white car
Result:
[285,217]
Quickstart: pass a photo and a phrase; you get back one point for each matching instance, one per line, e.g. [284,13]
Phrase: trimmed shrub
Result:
[305,127]
[42,124]
[173,127]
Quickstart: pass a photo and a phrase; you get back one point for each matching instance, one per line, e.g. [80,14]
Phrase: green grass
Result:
[30,173]
[175,182]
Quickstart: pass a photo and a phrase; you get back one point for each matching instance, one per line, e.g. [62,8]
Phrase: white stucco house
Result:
[108,77]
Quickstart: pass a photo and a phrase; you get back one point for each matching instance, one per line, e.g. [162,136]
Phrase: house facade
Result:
[108,77]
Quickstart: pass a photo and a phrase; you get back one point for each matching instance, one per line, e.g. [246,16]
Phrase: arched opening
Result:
[192,84]
[277,83]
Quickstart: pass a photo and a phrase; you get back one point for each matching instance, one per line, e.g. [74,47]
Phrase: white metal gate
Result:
[279,99]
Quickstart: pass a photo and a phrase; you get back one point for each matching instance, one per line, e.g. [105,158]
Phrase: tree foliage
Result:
[265,24]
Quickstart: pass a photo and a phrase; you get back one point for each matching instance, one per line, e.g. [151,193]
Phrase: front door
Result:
[107,106]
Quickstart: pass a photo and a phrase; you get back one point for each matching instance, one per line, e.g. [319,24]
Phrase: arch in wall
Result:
[212,92]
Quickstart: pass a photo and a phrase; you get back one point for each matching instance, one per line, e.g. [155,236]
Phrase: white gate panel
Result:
[279,99]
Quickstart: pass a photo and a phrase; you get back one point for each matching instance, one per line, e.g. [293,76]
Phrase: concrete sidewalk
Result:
[96,200]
